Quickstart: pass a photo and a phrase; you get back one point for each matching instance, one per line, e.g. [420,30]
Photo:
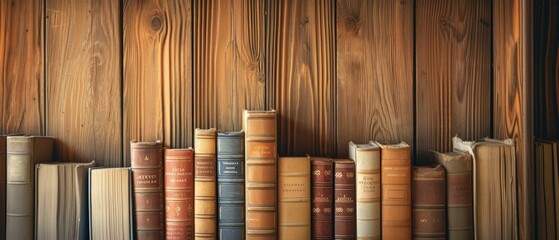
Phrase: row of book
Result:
[232,185]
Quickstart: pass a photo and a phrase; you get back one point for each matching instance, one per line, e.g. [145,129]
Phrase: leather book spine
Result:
[22,155]
[205,204]
[260,176]
[2,186]
[294,196]
[149,199]
[429,202]
[322,192]
[179,194]
[231,185]
[396,191]
[367,189]
[344,199]
[459,194]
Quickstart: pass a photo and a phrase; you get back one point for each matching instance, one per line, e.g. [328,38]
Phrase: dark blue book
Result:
[231,185]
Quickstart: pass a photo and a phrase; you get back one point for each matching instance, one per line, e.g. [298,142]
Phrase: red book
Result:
[321,198]
[179,194]
[344,199]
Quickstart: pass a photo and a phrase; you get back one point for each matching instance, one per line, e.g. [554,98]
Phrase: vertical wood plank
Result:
[228,61]
[22,82]
[453,73]
[83,80]
[157,101]
[512,98]
[375,72]
[302,71]
[546,69]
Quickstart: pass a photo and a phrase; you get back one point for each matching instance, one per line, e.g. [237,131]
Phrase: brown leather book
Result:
[260,176]
[459,194]
[396,191]
[429,202]
[149,199]
[367,189]
[294,195]
[205,191]
[344,199]
[23,153]
[179,194]
[547,185]
[61,200]
[322,192]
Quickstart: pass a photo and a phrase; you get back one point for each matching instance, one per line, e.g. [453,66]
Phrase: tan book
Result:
[260,174]
[110,204]
[205,202]
[61,200]
[396,191]
[367,168]
[294,195]
[22,154]
[2,186]
[459,193]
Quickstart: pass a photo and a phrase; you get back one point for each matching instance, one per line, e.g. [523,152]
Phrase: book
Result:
[149,198]
[231,185]
[2,186]
[205,205]
[367,192]
[294,195]
[396,192]
[22,153]
[179,193]
[494,187]
[322,192]
[429,202]
[260,177]
[344,199]
[61,200]
[111,211]
[459,193]
[546,189]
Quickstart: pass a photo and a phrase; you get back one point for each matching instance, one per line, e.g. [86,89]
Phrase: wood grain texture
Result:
[22,84]
[453,73]
[375,72]
[83,80]
[512,97]
[157,73]
[302,71]
[228,62]
[546,68]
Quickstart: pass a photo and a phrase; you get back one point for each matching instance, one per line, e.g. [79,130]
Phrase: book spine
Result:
[367,168]
[396,193]
[179,194]
[205,205]
[429,203]
[321,195]
[231,185]
[2,186]
[261,169]
[344,200]
[149,200]
[294,198]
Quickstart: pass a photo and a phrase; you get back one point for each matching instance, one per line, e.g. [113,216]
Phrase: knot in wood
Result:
[156,23]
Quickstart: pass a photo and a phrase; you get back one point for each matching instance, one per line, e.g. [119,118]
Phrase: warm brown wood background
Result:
[96,74]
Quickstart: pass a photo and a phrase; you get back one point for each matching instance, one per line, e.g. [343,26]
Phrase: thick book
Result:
[231,185]
[344,199]
[459,193]
[396,191]
[179,193]
[429,202]
[367,192]
[205,205]
[111,204]
[260,177]
[547,184]
[322,204]
[149,198]
[294,195]
[23,153]
[61,200]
